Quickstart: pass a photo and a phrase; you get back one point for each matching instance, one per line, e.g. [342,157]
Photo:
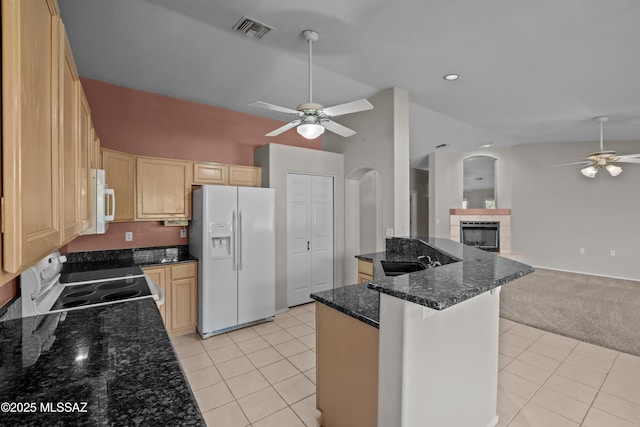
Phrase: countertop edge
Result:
[346,311]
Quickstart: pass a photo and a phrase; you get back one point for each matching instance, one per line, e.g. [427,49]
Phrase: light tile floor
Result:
[264,375]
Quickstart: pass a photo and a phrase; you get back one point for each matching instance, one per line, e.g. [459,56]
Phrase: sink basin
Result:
[396,268]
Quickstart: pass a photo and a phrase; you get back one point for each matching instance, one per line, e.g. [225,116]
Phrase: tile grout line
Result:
[543,383]
[600,390]
[245,354]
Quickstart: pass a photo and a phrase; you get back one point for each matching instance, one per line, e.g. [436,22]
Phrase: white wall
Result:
[276,161]
[555,211]
[446,184]
[381,144]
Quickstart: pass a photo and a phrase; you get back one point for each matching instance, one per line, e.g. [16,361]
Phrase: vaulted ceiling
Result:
[532,70]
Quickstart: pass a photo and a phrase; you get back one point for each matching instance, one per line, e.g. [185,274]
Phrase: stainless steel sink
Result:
[397,268]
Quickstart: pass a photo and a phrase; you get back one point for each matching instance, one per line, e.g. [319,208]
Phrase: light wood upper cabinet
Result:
[96,158]
[69,144]
[247,176]
[120,173]
[210,173]
[163,188]
[31,82]
[85,153]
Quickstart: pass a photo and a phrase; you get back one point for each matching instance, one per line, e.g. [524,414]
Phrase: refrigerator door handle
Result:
[239,240]
[233,232]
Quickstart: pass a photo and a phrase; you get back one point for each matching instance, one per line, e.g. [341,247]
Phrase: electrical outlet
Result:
[183,233]
[612,252]
[389,232]
[582,250]
[128,236]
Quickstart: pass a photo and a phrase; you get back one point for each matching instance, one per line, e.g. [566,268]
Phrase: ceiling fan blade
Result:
[284,128]
[584,162]
[348,108]
[338,128]
[629,158]
[273,107]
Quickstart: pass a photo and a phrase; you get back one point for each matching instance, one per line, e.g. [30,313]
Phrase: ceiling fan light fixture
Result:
[589,171]
[310,130]
[614,170]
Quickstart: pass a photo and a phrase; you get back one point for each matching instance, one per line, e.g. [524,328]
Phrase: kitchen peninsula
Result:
[437,338]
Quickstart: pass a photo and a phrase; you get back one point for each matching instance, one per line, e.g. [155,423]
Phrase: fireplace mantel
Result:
[460,211]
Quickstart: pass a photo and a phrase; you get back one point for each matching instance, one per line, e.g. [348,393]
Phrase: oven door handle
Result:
[157,292]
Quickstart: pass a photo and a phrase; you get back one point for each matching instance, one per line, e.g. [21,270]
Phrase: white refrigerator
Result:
[233,236]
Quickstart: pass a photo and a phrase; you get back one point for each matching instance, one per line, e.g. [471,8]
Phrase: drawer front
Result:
[365,267]
[183,271]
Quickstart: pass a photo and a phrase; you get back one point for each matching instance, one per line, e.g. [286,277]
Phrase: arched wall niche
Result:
[479,182]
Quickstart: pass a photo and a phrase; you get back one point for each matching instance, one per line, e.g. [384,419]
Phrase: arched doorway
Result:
[363,216]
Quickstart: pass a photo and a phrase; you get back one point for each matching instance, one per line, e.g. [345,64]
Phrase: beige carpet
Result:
[597,310]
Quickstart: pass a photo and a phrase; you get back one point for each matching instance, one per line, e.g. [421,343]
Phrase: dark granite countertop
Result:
[465,273]
[471,272]
[90,265]
[116,358]
[357,301]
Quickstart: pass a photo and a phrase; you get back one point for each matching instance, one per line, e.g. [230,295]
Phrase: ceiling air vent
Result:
[251,28]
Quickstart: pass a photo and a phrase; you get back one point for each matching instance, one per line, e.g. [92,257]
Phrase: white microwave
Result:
[102,201]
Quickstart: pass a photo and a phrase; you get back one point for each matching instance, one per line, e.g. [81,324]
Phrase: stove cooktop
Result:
[103,292]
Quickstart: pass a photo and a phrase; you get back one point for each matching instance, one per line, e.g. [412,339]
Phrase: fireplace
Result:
[481,234]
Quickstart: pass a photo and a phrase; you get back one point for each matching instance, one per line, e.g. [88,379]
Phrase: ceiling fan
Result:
[311,118]
[603,159]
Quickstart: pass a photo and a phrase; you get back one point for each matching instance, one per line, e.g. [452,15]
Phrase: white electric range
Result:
[43,293]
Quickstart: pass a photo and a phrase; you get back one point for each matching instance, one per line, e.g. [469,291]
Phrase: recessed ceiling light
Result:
[451,77]
[485,145]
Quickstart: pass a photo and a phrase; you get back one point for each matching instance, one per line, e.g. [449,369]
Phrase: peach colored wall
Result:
[147,124]
[145,234]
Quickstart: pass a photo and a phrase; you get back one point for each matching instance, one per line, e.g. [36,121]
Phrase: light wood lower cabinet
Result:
[365,271]
[158,275]
[179,283]
[347,369]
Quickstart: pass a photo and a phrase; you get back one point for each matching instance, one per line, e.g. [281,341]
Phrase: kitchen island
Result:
[437,358]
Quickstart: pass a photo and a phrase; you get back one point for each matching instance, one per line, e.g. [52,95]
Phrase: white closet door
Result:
[298,239]
[321,233]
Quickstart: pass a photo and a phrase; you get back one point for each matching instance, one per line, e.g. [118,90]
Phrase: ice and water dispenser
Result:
[220,239]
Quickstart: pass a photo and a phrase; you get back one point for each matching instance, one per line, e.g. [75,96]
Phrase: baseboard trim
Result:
[587,274]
